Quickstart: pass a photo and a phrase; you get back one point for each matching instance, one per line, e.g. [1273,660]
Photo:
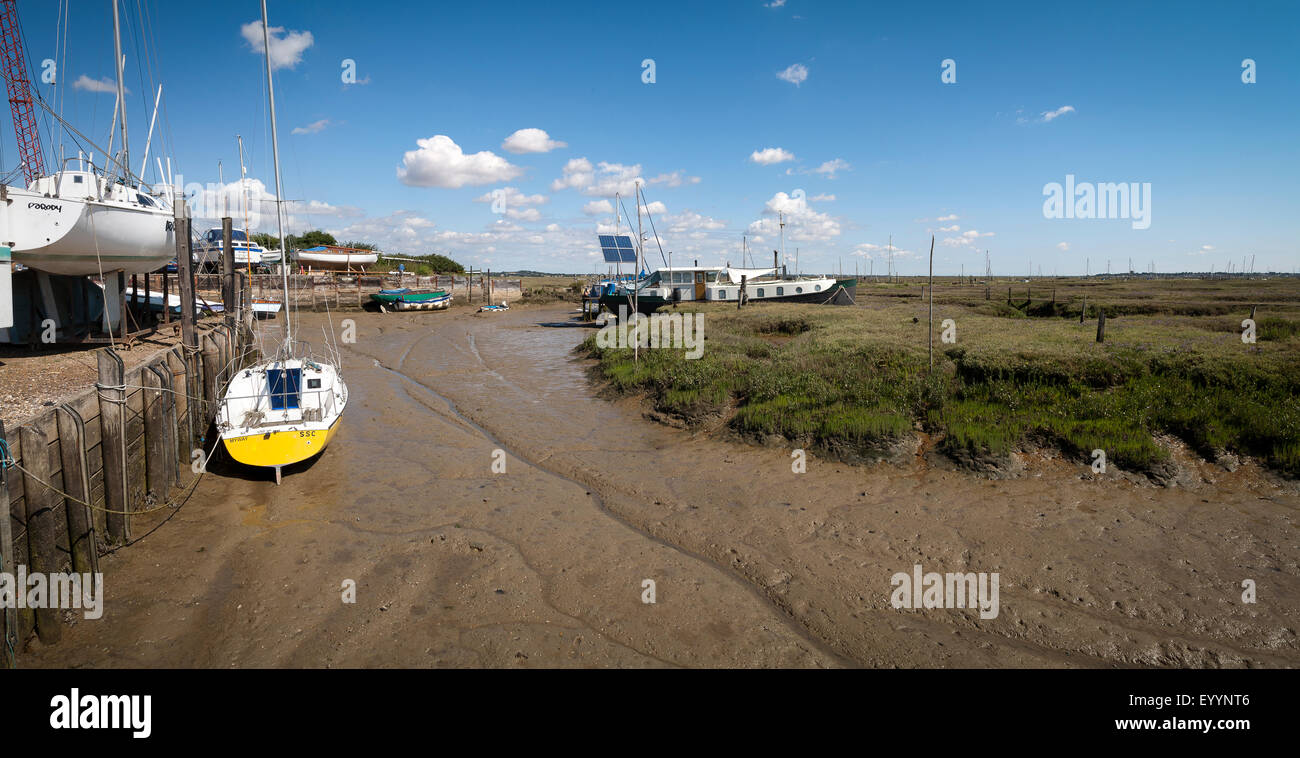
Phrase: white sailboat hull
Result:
[336,261]
[85,237]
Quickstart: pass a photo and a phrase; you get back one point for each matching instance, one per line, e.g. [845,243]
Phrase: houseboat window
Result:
[817,287]
[722,294]
[760,291]
[798,289]
[699,277]
[713,276]
[780,291]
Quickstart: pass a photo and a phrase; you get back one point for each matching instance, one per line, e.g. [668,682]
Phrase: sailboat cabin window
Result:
[798,289]
[760,291]
[78,179]
[780,291]
[313,384]
[817,287]
[722,294]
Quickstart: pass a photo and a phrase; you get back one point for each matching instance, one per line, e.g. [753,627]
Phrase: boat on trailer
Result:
[412,300]
[336,258]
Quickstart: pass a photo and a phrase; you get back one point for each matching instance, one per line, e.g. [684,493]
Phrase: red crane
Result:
[20,94]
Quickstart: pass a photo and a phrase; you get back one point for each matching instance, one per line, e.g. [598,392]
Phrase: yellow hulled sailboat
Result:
[285,410]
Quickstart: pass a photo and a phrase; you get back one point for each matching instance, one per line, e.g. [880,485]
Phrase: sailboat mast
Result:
[119,64]
[279,194]
[248,231]
[782,220]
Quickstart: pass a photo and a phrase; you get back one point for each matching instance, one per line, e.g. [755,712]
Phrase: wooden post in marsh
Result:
[740,296]
[112,442]
[41,500]
[1008,296]
[1252,312]
[1101,324]
[1084,311]
[228,270]
[9,627]
[76,482]
[932,303]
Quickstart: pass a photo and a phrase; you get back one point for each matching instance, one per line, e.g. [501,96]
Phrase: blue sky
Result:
[408,157]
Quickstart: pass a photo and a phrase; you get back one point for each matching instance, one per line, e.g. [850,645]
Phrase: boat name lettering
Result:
[45,206]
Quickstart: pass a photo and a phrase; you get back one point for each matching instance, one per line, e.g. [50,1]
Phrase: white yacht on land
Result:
[207,254]
[80,223]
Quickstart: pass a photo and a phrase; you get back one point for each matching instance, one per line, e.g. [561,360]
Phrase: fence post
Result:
[76,482]
[42,552]
[10,625]
[112,444]
[1101,324]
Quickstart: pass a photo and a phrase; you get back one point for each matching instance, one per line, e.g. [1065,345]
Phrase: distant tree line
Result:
[421,264]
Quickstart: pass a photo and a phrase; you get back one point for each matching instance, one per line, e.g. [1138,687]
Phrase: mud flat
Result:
[753,564]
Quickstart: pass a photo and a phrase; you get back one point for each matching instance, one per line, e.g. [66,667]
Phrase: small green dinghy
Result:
[412,300]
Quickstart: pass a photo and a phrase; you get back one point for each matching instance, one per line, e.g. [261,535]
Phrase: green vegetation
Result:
[423,265]
[854,381]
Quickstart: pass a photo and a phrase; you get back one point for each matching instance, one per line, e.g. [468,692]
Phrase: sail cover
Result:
[734,274]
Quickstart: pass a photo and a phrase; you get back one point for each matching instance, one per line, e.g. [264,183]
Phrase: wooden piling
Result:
[740,296]
[156,456]
[1101,324]
[76,482]
[112,418]
[1252,312]
[10,621]
[41,500]
[228,269]
[1083,312]
[211,366]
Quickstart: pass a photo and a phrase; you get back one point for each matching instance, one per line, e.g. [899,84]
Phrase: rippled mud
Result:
[457,563]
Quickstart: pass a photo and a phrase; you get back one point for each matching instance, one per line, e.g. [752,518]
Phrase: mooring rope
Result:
[10,462]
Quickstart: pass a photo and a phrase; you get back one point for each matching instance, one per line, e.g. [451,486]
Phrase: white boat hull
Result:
[79,238]
[336,261]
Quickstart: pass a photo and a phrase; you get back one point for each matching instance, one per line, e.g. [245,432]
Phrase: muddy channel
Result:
[544,564]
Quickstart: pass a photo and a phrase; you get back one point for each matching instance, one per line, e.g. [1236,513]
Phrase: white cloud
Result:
[823,198]
[965,239]
[512,196]
[96,85]
[531,141]
[604,180]
[879,252]
[654,208]
[950,228]
[801,221]
[832,167]
[1064,109]
[675,179]
[770,155]
[312,128]
[286,47]
[578,173]
[598,208]
[773,4]
[795,73]
[1063,246]
[439,162]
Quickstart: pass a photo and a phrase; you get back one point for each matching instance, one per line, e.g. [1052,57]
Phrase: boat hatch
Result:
[285,387]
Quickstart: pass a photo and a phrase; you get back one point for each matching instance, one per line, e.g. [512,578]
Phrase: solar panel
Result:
[617,249]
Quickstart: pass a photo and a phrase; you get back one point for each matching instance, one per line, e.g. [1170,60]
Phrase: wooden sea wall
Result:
[120,448]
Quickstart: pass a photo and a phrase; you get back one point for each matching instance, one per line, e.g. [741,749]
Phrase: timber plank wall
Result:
[158,426]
